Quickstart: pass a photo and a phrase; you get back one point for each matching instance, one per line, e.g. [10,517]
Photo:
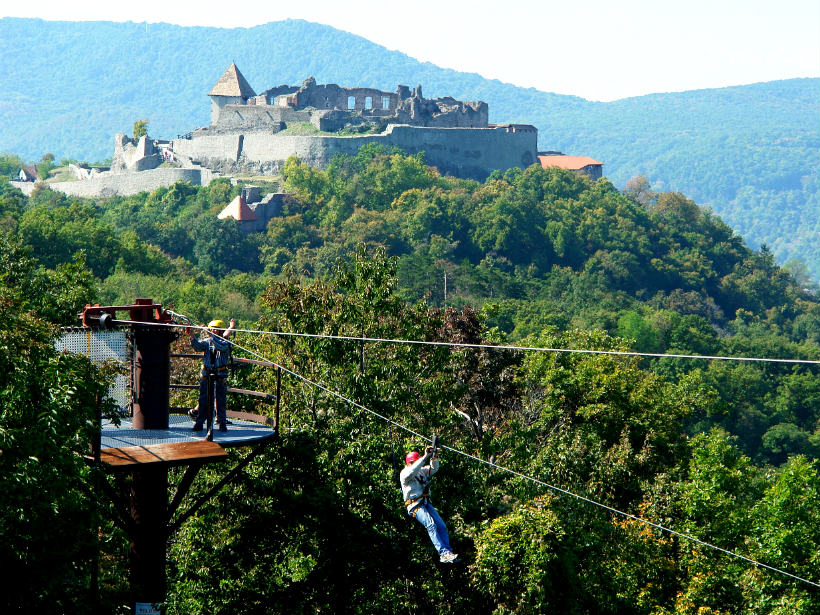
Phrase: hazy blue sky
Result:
[601,50]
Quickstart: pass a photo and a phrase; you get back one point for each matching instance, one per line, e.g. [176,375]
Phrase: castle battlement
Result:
[249,132]
[332,108]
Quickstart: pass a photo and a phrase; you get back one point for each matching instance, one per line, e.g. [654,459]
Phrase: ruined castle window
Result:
[351,102]
[368,102]
[385,102]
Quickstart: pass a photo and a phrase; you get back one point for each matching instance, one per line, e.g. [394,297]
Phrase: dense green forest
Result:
[751,153]
[725,451]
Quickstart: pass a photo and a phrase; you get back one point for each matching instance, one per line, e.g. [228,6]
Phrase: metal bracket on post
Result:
[142,310]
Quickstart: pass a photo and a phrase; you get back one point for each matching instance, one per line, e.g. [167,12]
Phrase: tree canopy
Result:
[723,451]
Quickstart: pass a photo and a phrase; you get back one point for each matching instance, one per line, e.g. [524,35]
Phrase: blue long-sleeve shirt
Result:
[221,352]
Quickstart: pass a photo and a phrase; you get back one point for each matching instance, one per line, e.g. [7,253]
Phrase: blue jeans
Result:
[430,519]
[220,393]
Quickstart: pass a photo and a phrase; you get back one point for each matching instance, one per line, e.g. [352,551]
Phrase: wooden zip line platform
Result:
[123,447]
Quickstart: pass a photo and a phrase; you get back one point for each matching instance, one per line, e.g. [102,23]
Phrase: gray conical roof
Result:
[232,83]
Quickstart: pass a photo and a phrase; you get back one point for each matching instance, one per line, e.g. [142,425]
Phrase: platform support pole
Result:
[152,377]
[149,485]
[149,538]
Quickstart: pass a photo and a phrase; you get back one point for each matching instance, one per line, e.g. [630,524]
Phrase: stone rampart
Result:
[465,152]
[125,184]
[239,118]
[209,147]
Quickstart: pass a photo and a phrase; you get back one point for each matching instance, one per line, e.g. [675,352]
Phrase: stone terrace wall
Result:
[125,184]
[260,117]
[465,152]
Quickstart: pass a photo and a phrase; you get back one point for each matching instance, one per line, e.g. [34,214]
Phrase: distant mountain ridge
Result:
[751,152]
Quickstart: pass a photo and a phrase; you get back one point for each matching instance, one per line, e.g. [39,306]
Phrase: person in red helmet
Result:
[415,487]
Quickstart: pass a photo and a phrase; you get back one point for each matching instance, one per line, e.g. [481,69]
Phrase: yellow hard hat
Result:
[216,324]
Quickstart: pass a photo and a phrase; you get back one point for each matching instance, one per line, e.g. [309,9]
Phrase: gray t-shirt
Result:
[415,479]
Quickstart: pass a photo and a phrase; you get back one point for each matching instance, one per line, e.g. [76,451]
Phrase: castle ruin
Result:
[252,132]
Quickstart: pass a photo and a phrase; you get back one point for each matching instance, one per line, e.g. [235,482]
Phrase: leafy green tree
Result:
[56,295]
[786,536]
[48,409]
[57,233]
[784,440]
[640,189]
[140,129]
[138,256]
[522,562]
[600,423]
[12,204]
[10,165]
[46,166]
[633,327]
[220,246]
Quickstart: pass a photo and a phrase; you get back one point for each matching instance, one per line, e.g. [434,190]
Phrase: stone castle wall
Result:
[329,96]
[125,184]
[349,106]
[262,117]
[465,152]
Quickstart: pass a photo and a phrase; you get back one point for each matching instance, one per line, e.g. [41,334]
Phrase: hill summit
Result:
[752,152]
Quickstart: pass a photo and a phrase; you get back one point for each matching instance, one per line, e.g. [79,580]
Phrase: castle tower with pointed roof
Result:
[232,88]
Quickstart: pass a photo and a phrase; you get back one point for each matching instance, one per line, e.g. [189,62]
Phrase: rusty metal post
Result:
[96,449]
[148,537]
[152,377]
[149,485]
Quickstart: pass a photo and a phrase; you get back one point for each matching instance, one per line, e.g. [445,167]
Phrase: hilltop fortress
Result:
[256,133]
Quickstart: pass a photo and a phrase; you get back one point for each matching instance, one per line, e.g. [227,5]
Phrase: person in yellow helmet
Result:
[216,352]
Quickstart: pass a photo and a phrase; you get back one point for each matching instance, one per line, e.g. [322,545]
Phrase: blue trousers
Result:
[220,393]
[432,522]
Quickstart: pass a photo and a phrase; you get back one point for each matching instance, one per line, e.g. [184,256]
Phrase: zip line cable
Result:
[622,353]
[521,475]
[528,348]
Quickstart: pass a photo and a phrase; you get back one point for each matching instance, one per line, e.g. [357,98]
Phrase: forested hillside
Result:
[725,451]
[749,152]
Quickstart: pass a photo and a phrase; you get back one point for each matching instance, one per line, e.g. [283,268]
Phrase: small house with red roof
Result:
[253,212]
[577,164]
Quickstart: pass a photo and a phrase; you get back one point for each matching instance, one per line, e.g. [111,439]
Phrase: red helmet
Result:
[412,457]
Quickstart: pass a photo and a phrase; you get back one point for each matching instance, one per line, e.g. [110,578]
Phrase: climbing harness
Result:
[412,513]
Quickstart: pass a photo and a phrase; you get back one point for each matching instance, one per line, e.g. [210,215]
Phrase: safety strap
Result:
[412,501]
[222,374]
